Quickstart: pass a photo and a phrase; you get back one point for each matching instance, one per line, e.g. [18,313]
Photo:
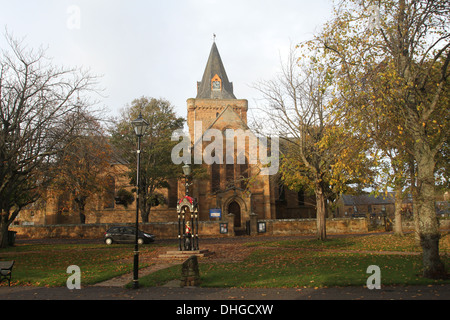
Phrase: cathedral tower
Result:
[226,190]
[214,96]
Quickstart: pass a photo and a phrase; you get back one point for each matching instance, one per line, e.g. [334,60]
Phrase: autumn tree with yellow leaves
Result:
[392,66]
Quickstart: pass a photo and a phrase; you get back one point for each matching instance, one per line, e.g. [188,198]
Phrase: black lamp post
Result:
[140,125]
[194,210]
[187,173]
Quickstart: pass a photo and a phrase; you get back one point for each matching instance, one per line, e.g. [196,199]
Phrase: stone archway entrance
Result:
[235,209]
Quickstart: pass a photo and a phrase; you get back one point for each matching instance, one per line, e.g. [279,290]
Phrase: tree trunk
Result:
[398,229]
[3,233]
[145,213]
[321,213]
[426,214]
[6,218]
[81,202]
[412,174]
[144,205]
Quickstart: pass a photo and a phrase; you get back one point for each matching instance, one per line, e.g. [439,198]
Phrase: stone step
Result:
[182,255]
[188,253]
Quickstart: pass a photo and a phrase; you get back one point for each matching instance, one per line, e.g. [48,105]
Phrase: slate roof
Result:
[214,67]
[350,200]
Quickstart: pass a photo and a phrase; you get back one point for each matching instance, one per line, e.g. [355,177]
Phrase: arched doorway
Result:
[235,209]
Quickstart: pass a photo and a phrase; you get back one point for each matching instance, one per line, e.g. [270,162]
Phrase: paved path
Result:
[125,279]
[438,292]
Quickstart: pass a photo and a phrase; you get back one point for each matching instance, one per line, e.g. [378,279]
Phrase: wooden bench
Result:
[6,271]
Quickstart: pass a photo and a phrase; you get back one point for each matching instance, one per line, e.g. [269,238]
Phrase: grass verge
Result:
[296,263]
[312,263]
[46,265]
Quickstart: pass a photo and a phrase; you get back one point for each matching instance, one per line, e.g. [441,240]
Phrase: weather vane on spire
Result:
[214,37]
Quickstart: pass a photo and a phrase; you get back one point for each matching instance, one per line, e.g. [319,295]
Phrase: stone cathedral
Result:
[232,187]
[235,188]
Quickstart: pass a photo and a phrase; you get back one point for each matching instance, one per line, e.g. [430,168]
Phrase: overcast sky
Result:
[160,48]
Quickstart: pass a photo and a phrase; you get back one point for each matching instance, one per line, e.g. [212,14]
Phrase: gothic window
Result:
[301,198]
[63,204]
[229,168]
[173,194]
[244,173]
[109,193]
[215,177]
[281,193]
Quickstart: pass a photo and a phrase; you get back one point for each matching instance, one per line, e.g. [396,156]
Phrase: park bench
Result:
[6,271]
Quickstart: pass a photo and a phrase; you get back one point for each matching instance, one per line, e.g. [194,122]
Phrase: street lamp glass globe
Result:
[140,125]
[187,169]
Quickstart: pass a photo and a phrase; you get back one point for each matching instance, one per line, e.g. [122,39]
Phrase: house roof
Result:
[365,199]
[214,68]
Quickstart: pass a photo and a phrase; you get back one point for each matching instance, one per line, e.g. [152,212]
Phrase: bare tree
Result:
[317,154]
[35,98]
[82,166]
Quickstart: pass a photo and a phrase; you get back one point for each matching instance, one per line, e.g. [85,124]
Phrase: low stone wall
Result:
[308,226]
[68,231]
[444,224]
[207,229]
[168,230]
[162,230]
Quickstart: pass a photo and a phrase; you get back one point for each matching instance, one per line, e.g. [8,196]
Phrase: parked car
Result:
[127,235]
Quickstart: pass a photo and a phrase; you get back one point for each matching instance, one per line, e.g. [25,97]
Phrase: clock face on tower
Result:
[216,85]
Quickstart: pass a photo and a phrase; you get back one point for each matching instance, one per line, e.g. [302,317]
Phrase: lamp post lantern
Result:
[187,173]
[187,230]
[140,125]
[187,169]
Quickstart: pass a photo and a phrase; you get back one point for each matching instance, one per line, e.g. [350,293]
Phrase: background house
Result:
[365,204]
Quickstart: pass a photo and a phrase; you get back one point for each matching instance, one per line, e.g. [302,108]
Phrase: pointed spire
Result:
[215,84]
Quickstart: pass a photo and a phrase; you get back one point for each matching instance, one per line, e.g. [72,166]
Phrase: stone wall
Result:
[408,225]
[207,229]
[162,230]
[308,226]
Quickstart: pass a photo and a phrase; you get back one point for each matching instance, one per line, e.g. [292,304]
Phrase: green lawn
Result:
[375,242]
[312,263]
[46,265]
[297,263]
[311,269]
